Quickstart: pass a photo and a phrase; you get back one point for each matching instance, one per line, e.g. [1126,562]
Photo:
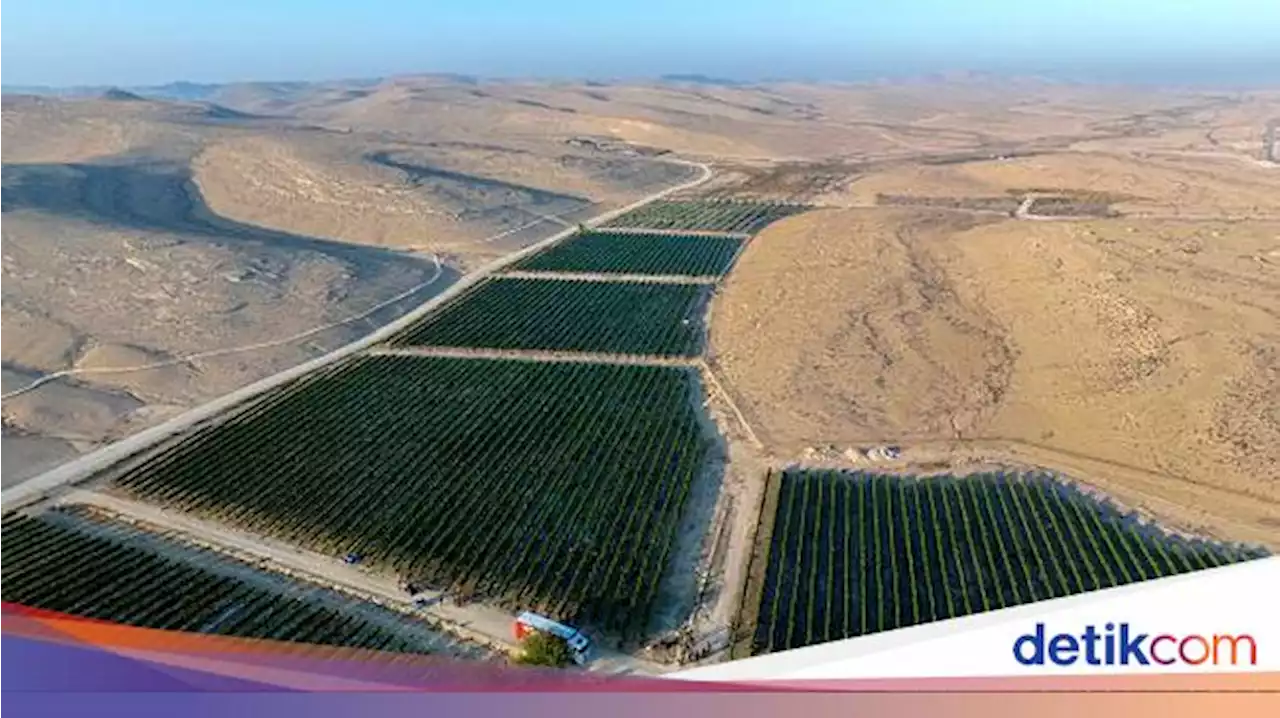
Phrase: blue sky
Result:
[132,42]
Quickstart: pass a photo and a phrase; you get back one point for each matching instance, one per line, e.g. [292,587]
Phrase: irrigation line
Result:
[751,434]
[520,228]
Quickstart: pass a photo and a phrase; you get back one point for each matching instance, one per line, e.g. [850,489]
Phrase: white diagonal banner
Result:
[1223,619]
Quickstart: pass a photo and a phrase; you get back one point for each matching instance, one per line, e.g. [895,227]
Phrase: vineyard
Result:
[555,487]
[636,253]
[548,314]
[54,566]
[852,554]
[707,216]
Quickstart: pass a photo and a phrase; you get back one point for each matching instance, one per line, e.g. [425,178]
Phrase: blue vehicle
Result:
[352,559]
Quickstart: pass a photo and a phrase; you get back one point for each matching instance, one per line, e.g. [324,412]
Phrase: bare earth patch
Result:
[1131,354]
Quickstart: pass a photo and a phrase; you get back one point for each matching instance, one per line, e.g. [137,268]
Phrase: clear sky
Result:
[133,42]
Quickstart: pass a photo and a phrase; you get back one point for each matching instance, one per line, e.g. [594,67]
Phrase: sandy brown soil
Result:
[1131,349]
[140,231]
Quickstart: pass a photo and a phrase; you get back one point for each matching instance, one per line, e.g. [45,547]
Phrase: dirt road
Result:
[474,622]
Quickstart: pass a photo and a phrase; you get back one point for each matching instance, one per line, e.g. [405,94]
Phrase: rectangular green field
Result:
[548,486]
[635,253]
[849,554]
[707,215]
[95,568]
[568,315]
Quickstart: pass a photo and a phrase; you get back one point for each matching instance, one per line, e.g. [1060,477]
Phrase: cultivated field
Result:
[71,562]
[692,215]
[1069,278]
[547,486]
[551,314]
[169,233]
[848,554]
[635,253]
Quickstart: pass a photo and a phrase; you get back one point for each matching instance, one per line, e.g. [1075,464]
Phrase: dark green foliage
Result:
[634,253]
[52,566]
[542,649]
[707,215]
[548,314]
[554,487]
[853,554]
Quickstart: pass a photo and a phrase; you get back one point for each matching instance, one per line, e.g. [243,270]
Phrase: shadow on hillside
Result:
[481,196]
[161,197]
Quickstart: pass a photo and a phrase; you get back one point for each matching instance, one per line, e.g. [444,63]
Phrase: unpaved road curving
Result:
[473,622]
[86,466]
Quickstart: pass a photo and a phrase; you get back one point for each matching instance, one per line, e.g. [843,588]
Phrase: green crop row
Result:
[547,486]
[549,314]
[635,253]
[706,215]
[852,554]
[52,565]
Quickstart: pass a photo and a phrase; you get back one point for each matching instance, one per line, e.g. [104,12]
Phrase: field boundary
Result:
[1052,539]
[291,563]
[181,547]
[602,277]
[755,440]
[748,614]
[673,232]
[85,467]
[536,355]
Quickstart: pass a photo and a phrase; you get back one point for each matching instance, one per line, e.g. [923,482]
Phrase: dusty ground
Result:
[92,520]
[139,232]
[474,623]
[1137,354]
[931,303]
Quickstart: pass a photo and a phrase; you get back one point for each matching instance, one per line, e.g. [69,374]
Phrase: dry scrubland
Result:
[1138,353]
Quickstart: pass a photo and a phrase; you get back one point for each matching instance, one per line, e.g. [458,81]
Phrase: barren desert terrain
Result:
[171,235]
[1108,312]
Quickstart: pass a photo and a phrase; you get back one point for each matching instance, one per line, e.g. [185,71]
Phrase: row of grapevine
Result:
[548,486]
[550,314]
[851,553]
[707,216]
[55,564]
[635,253]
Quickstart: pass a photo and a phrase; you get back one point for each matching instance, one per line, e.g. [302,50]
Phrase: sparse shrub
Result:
[543,649]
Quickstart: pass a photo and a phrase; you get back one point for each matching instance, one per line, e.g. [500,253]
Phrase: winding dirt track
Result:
[474,622]
[86,466]
[485,625]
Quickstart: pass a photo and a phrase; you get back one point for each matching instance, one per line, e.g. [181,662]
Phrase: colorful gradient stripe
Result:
[62,665]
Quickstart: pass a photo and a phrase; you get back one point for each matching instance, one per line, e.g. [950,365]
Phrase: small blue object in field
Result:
[352,558]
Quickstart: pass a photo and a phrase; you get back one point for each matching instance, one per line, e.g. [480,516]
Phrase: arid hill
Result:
[141,231]
[1109,309]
